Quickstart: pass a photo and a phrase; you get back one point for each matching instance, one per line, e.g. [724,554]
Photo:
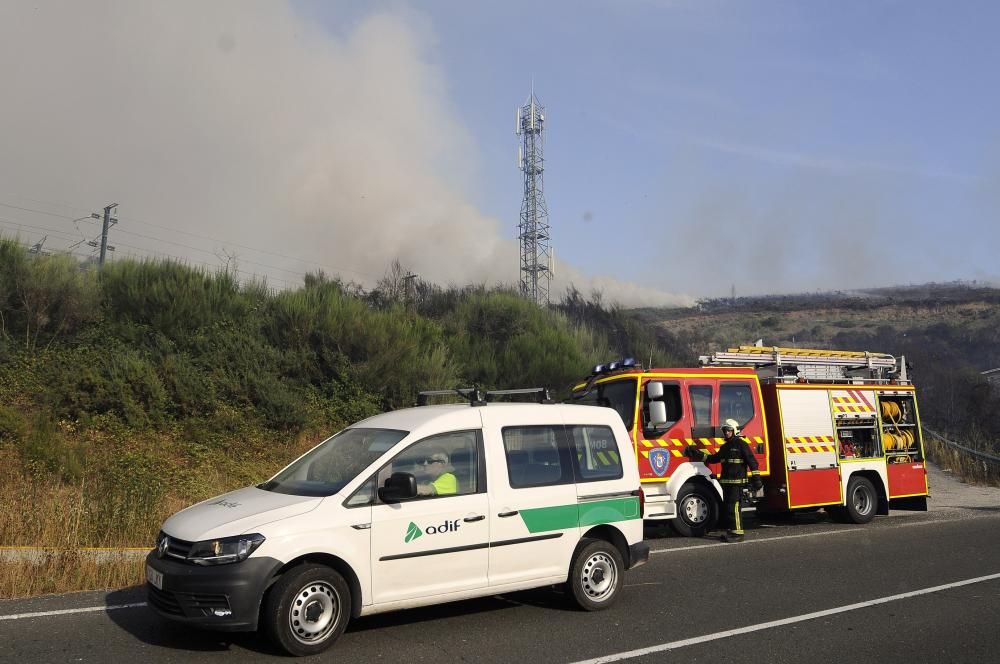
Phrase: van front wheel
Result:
[595,578]
[307,609]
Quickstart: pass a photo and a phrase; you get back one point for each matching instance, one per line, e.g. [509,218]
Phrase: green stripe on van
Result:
[561,517]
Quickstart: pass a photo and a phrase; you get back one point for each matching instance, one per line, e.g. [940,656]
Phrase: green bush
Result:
[12,426]
[174,299]
[503,341]
[115,380]
[46,452]
[43,298]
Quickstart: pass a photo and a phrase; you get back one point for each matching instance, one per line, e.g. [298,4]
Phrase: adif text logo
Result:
[413,531]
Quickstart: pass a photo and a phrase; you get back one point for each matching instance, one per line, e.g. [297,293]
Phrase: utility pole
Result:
[37,247]
[108,223]
[408,295]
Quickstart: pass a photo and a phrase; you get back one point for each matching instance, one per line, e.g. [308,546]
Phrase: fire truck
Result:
[830,429]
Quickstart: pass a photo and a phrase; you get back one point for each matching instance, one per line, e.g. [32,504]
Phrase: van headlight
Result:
[224,550]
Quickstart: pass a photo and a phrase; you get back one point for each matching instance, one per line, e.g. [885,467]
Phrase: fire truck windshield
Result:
[619,394]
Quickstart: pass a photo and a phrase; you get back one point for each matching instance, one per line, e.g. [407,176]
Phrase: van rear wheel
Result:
[595,577]
[307,609]
[697,510]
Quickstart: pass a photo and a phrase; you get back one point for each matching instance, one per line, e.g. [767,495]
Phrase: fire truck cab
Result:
[833,429]
[666,410]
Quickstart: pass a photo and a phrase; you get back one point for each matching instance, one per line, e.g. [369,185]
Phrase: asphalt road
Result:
[910,587]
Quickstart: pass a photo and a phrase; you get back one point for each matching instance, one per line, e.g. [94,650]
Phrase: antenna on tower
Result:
[533,228]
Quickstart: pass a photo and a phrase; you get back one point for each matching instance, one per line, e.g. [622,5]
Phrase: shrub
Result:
[43,297]
[114,380]
[46,452]
[12,426]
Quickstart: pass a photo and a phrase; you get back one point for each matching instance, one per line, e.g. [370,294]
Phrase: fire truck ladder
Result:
[792,364]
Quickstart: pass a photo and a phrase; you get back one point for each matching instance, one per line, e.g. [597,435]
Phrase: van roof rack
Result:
[477,397]
[538,394]
[473,395]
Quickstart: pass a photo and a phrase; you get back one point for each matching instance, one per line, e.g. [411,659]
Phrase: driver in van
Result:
[435,476]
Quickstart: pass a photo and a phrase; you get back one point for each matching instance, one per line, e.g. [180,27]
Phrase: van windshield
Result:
[619,394]
[330,466]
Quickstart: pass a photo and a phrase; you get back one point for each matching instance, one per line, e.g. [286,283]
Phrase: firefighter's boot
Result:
[732,537]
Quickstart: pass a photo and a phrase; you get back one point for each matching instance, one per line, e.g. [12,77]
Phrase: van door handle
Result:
[506,514]
[474,517]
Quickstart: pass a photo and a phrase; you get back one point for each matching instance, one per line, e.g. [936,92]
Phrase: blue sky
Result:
[753,135]
[692,146]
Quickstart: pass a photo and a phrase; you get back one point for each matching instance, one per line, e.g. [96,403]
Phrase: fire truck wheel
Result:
[862,500]
[596,574]
[697,510]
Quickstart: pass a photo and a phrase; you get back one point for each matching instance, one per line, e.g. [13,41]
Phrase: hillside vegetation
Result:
[129,392]
[949,334]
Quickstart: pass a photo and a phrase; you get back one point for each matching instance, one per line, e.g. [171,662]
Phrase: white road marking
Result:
[86,609]
[842,531]
[673,645]
[758,541]
[41,614]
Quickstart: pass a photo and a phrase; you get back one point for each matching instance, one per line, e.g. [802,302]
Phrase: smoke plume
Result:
[245,123]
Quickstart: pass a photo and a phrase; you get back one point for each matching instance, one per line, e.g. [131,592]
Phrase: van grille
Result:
[163,600]
[191,605]
[177,548]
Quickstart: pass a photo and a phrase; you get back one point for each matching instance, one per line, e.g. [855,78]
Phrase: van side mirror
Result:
[657,414]
[654,390]
[399,486]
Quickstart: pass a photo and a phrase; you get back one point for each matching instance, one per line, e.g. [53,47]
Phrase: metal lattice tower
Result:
[533,229]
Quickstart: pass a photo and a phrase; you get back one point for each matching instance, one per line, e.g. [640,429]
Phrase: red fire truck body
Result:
[834,429]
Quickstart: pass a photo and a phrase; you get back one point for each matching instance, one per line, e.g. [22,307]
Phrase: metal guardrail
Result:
[36,555]
[976,453]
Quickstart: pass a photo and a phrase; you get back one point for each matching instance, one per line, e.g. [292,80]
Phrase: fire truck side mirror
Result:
[657,414]
[654,390]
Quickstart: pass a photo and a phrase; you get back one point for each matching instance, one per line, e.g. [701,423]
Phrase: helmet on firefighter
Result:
[732,425]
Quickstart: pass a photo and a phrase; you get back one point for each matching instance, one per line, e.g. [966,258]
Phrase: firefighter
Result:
[736,458]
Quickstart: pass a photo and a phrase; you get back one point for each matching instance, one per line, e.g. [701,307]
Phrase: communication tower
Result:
[533,229]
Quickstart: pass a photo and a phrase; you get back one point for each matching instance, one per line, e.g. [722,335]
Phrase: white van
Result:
[409,508]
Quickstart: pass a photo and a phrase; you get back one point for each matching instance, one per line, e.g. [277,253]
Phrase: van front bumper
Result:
[638,554]
[223,597]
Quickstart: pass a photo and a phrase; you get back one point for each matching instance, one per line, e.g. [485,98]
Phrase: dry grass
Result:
[68,571]
[127,489]
[962,464]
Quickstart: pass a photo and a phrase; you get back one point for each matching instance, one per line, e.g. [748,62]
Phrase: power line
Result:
[147,253]
[18,207]
[19,225]
[198,236]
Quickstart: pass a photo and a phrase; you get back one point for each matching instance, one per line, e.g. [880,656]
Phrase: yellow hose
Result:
[891,411]
[899,440]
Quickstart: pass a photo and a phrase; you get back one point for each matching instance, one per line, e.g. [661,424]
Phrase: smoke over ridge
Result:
[243,122]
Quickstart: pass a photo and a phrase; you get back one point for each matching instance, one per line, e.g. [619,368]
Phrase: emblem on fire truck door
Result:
[659,460]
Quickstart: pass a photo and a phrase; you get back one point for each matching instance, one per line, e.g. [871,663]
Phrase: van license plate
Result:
[154,577]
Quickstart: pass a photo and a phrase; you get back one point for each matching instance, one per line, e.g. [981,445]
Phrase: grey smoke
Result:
[243,122]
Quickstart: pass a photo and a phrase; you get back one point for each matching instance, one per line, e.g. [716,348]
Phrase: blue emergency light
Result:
[624,363]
